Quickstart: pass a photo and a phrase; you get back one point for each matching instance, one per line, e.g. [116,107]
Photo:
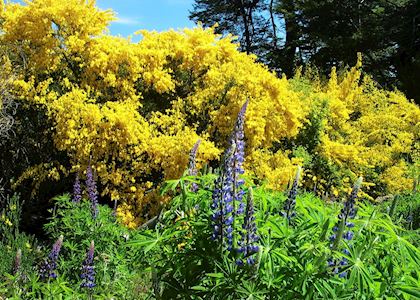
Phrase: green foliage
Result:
[112,255]
[292,261]
[173,256]
[11,240]
[404,210]
[116,274]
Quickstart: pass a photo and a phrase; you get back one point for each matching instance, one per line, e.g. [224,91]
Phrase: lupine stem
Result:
[192,169]
[17,263]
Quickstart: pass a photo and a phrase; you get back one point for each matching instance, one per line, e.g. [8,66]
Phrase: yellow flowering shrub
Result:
[136,109]
[365,131]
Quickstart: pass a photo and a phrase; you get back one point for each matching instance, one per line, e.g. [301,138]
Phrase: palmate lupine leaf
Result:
[412,290]
[359,271]
[325,289]
[148,240]
[250,291]
[383,226]
[278,228]
[324,231]
[170,185]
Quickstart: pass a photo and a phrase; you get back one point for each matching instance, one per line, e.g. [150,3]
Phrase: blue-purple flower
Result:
[192,169]
[222,204]
[77,190]
[237,144]
[88,269]
[289,205]
[343,227]
[342,230]
[92,191]
[47,269]
[247,244]
[228,186]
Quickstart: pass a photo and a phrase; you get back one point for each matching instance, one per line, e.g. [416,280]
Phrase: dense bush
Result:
[135,109]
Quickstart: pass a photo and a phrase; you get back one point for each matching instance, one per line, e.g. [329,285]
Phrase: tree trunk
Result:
[273,24]
[292,37]
[246,25]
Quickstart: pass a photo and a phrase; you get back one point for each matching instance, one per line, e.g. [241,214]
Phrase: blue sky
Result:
[147,14]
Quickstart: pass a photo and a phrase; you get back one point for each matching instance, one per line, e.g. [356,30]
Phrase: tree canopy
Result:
[288,33]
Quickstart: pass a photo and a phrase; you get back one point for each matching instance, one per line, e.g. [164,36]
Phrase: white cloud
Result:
[127,21]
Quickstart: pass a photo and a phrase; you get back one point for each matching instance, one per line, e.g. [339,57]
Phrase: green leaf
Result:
[198,288]
[324,230]
[411,290]
[215,275]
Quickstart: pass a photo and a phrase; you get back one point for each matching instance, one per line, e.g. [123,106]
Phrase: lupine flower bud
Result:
[88,272]
[347,212]
[47,269]
[342,229]
[92,191]
[342,274]
[289,206]
[192,169]
[249,235]
[77,190]
[17,263]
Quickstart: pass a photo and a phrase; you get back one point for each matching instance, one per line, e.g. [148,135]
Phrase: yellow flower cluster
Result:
[367,131]
[136,109]
[48,33]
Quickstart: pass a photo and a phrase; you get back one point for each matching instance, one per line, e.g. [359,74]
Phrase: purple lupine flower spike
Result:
[92,191]
[77,190]
[88,269]
[343,228]
[17,263]
[223,203]
[289,206]
[192,169]
[348,212]
[249,237]
[47,269]
[238,145]
[228,185]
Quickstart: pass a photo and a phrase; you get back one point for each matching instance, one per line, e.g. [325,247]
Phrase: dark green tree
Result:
[326,33]
[242,18]
[386,32]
